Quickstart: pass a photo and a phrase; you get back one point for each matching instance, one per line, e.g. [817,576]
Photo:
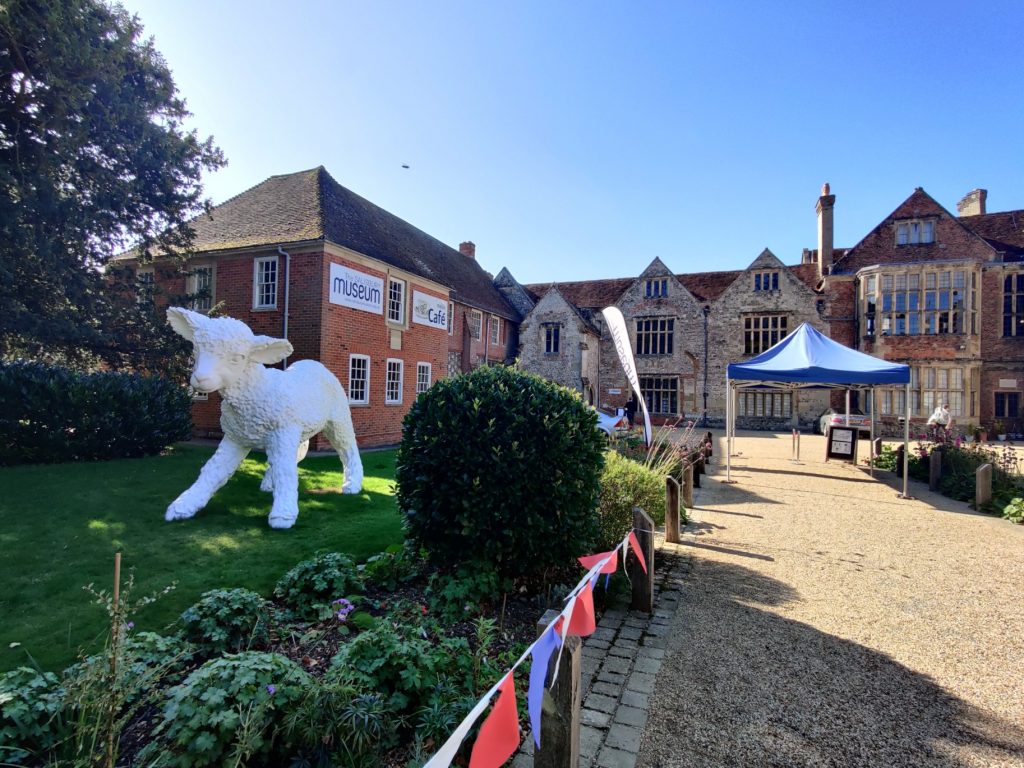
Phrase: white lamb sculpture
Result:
[277,411]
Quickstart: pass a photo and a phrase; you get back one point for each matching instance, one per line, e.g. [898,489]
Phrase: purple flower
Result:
[271,690]
[130,625]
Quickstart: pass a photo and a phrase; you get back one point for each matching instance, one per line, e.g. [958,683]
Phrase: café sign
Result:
[429,310]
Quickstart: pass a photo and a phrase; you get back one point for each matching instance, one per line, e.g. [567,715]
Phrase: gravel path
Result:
[827,622]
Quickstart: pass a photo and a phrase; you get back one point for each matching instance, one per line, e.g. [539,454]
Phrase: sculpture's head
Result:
[224,348]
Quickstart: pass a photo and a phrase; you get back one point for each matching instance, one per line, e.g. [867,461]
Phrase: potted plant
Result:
[980,434]
[1000,429]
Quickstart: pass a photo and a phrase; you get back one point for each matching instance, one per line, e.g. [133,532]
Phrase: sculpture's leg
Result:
[342,437]
[217,470]
[282,448]
[267,485]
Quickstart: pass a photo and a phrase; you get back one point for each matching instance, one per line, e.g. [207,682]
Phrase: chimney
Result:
[468,248]
[973,203]
[824,208]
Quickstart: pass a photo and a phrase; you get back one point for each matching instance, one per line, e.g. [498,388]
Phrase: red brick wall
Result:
[319,330]
[345,331]
[1003,355]
[478,347]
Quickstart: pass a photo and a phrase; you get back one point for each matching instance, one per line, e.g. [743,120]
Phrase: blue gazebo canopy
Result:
[807,358]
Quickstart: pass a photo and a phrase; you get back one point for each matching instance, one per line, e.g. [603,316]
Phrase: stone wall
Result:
[576,343]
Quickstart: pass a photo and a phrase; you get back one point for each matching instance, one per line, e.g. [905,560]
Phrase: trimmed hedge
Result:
[500,468]
[626,484]
[52,414]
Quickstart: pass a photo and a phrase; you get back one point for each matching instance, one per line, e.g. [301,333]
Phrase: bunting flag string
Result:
[635,544]
[542,651]
[499,734]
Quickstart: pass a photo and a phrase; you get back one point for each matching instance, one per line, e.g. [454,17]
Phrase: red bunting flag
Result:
[582,622]
[611,566]
[499,735]
[637,551]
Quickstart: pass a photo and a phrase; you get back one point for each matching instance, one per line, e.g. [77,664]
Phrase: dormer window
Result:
[915,232]
[656,288]
[766,281]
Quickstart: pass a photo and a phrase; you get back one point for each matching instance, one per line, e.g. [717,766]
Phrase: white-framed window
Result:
[552,341]
[199,397]
[915,232]
[396,301]
[422,377]
[451,318]
[359,379]
[766,281]
[200,287]
[476,321]
[264,283]
[495,324]
[145,286]
[393,382]
[656,288]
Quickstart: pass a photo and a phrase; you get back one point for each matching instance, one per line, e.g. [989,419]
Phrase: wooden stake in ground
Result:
[115,637]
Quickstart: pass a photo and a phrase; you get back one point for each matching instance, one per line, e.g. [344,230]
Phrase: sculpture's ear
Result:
[184,321]
[268,350]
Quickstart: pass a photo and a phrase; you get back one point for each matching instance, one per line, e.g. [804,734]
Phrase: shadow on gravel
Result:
[744,687]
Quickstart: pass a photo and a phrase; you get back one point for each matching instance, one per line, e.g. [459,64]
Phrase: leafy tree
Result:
[94,159]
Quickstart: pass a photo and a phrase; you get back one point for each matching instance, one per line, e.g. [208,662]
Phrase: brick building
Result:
[945,295]
[383,305]
[941,293]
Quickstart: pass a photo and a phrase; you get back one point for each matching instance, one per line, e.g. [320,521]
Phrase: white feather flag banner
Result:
[620,336]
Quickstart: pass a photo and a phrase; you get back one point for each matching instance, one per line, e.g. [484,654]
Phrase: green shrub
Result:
[229,705]
[1014,511]
[336,723]
[228,621]
[396,659]
[30,705]
[500,467]
[53,414]
[462,593]
[626,484]
[393,566]
[309,588]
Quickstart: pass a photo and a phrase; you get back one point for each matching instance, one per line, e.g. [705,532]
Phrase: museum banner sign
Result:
[620,337]
[429,310]
[357,290]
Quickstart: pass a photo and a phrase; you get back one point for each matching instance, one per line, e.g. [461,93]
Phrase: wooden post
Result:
[688,487]
[899,461]
[709,441]
[671,510]
[698,469]
[982,486]
[934,469]
[878,447]
[643,583]
[560,724]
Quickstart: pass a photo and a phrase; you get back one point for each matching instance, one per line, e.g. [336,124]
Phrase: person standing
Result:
[631,410]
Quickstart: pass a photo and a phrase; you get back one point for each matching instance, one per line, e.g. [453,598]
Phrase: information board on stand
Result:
[841,444]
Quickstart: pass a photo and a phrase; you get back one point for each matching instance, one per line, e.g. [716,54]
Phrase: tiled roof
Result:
[1003,231]
[708,286]
[586,293]
[311,205]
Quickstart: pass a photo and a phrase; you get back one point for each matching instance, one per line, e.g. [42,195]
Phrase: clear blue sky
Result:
[579,140]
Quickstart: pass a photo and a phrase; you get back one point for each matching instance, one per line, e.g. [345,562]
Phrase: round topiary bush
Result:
[500,468]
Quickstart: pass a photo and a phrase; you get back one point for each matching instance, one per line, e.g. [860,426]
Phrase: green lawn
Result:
[60,526]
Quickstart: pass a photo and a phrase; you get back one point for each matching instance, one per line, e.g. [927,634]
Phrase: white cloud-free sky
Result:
[579,140]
